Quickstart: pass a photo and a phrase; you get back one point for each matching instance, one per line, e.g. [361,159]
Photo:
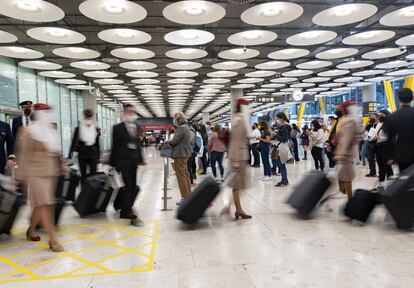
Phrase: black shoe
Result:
[280,184]
[371,175]
[130,216]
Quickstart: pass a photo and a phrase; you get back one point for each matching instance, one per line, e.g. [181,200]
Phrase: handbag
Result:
[166,151]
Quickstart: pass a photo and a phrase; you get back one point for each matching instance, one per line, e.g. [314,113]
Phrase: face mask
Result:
[279,122]
[329,122]
[338,113]
[131,118]
[89,122]
[27,111]
[176,123]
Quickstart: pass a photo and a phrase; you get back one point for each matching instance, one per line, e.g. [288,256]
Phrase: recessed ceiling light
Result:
[77,49]
[271,11]
[113,7]
[194,9]
[336,51]
[310,35]
[57,32]
[252,35]
[20,50]
[28,5]
[189,34]
[125,33]
[384,50]
[367,35]
[408,12]
[343,10]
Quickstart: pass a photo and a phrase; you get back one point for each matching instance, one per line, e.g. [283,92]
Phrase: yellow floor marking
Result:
[118,226]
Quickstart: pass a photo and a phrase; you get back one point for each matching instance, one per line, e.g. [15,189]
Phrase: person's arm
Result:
[178,136]
[74,142]
[114,149]
[97,142]
[210,142]
[9,140]
[283,135]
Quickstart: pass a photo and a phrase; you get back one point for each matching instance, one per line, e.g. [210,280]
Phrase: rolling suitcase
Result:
[95,195]
[309,192]
[194,206]
[361,204]
[10,203]
[67,185]
[117,201]
[399,199]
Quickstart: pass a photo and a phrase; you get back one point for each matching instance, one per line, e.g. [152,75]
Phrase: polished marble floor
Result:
[274,249]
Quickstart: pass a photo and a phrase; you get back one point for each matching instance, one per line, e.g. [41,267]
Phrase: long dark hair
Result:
[295,127]
[316,125]
[283,116]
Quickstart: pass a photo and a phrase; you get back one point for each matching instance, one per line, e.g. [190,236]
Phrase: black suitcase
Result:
[95,195]
[360,206]
[67,185]
[194,206]
[399,199]
[59,205]
[10,203]
[309,192]
[117,201]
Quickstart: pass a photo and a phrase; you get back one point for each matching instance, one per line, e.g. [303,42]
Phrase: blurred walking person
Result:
[85,141]
[317,140]
[238,154]
[294,134]
[6,145]
[304,141]
[264,143]
[284,155]
[254,140]
[25,120]
[182,144]
[39,163]
[125,157]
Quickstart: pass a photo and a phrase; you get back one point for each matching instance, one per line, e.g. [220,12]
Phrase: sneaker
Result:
[267,178]
[371,175]
[262,177]
[280,184]
[137,222]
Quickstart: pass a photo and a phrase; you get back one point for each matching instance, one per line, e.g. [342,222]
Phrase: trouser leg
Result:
[127,197]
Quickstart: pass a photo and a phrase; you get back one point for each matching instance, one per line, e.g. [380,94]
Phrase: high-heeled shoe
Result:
[242,215]
[56,248]
[32,238]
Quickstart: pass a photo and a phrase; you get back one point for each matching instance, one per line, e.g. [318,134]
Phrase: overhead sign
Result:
[266,99]
[99,94]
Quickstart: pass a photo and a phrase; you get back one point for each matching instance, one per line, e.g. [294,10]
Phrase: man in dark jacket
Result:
[6,141]
[400,131]
[25,120]
[125,158]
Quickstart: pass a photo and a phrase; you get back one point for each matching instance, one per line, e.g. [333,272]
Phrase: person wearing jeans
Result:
[283,136]
[216,147]
[317,137]
[265,151]
[254,140]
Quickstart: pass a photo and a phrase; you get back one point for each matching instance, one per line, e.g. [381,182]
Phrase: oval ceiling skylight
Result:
[272,65]
[90,65]
[242,86]
[316,79]
[119,91]
[368,73]
[194,12]
[57,74]
[330,85]
[358,84]
[288,53]
[252,37]
[344,14]
[181,81]
[318,89]
[6,37]
[216,81]
[182,74]
[188,37]
[333,73]
[31,10]
[260,74]
[20,52]
[273,13]
[108,81]
[124,36]
[100,74]
[312,37]
[383,53]
[113,11]
[222,74]
[184,65]
[393,64]
[149,86]
[348,79]
[401,17]
[138,65]
[132,53]
[114,87]
[40,65]
[186,53]
[410,56]
[297,73]
[273,85]
[355,64]
[378,79]
[401,72]
[145,81]
[56,35]
[81,87]
[368,37]
[141,74]
[238,53]
[250,80]
[406,41]
[229,65]
[302,85]
[284,80]
[336,53]
[76,53]
[70,81]
[314,64]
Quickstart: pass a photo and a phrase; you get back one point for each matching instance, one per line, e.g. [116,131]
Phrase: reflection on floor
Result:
[274,249]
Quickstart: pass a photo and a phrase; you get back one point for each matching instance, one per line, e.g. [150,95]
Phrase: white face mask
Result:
[89,122]
[279,122]
[131,118]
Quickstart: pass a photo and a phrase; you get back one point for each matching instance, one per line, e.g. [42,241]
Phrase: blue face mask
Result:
[176,123]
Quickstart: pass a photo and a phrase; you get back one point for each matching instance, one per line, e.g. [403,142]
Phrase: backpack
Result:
[197,143]
[224,136]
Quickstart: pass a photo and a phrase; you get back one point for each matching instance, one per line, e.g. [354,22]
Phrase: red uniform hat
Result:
[348,103]
[242,101]
[41,106]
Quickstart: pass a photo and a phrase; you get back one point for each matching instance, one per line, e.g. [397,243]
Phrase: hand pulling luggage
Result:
[194,206]
[10,203]
[118,198]
[95,195]
[360,206]
[309,192]
[67,185]
[398,197]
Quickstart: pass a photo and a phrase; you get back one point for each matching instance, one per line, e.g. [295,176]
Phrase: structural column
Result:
[369,100]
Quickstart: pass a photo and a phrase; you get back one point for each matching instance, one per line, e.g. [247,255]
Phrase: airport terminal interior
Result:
[220,66]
